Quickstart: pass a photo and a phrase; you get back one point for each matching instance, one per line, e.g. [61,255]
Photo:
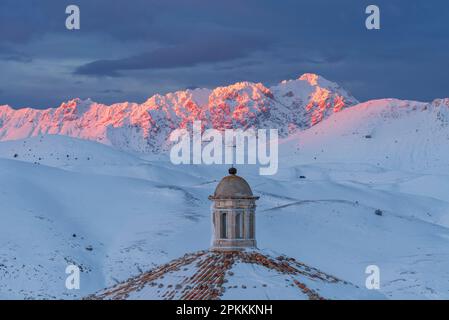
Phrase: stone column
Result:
[253,225]
[231,224]
[247,226]
[216,224]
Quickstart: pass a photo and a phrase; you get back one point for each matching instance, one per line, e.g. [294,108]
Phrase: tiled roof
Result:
[204,275]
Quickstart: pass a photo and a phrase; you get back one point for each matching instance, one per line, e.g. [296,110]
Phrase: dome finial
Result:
[232,171]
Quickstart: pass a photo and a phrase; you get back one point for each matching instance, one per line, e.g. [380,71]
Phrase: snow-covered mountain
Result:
[362,186]
[288,106]
[366,186]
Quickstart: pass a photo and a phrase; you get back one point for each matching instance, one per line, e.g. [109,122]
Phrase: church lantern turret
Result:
[233,214]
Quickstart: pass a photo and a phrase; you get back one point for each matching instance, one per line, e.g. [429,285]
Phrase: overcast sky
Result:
[129,50]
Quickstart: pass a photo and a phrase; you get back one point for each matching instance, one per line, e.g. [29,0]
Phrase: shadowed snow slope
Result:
[119,221]
[389,133]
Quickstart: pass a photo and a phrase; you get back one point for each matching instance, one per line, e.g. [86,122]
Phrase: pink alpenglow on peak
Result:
[290,106]
[311,78]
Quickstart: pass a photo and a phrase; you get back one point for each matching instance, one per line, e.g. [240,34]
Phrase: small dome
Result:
[232,187]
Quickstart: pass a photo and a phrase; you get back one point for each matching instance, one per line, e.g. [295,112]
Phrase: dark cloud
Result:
[107,91]
[18,57]
[213,50]
[141,47]
[9,54]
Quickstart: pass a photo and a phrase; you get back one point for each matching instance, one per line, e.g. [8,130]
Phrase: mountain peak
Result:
[76,106]
[5,107]
[247,87]
[311,78]
[441,102]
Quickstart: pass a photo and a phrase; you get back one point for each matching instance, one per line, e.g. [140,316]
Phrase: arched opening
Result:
[239,226]
[223,225]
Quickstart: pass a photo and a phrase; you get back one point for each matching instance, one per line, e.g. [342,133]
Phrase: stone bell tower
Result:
[233,214]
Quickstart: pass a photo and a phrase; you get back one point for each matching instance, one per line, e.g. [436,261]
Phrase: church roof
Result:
[241,274]
[214,275]
[233,187]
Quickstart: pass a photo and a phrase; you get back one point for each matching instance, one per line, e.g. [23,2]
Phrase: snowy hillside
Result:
[288,106]
[52,218]
[118,221]
[389,133]
[363,186]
